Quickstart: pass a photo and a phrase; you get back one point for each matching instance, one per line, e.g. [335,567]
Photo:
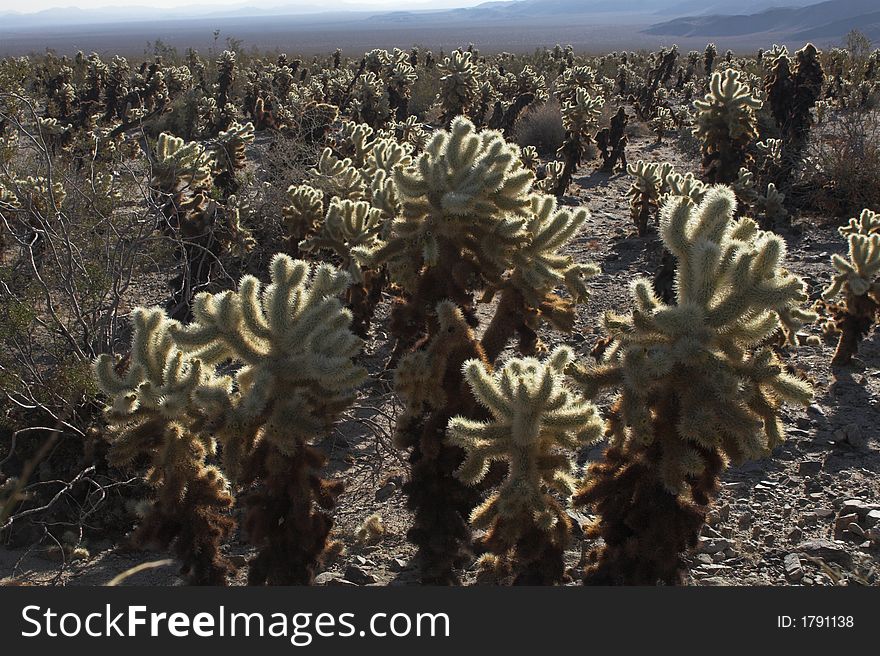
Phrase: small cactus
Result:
[858,281]
[535,419]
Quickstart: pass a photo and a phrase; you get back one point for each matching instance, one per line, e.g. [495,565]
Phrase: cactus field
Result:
[440,318]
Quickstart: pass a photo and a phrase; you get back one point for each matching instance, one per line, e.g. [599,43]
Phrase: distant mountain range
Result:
[425,11]
[828,21]
[314,26]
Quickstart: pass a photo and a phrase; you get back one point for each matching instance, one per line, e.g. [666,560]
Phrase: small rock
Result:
[328,578]
[824,513]
[795,534]
[578,521]
[714,569]
[712,545]
[857,530]
[856,506]
[810,467]
[356,575]
[826,550]
[852,435]
[710,532]
[794,572]
[398,565]
[704,559]
[386,491]
[843,523]
[809,518]
[872,519]
[745,520]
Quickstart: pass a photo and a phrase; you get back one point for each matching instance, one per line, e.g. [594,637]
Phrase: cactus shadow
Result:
[597,179]
[852,406]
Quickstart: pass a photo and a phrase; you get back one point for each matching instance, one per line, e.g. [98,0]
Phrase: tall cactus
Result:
[580,116]
[458,85]
[293,344]
[535,418]
[465,202]
[697,388]
[153,412]
[726,124]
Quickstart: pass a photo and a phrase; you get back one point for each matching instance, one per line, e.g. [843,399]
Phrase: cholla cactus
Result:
[644,193]
[230,155]
[303,212]
[698,387]
[538,269]
[179,167]
[225,77]
[535,419]
[530,158]
[293,342]
[662,123]
[153,413]
[726,124]
[464,203]
[612,142]
[684,186]
[350,229]
[458,85]
[580,116]
[429,381]
[370,103]
[771,207]
[337,177]
[858,281]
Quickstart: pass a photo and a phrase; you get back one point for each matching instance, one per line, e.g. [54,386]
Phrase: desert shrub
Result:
[541,127]
[845,158]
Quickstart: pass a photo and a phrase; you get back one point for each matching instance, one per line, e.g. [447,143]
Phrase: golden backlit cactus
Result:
[726,124]
[350,229]
[580,117]
[458,85]
[303,212]
[153,413]
[538,269]
[857,280]
[697,386]
[536,422]
[337,177]
[294,346]
[464,203]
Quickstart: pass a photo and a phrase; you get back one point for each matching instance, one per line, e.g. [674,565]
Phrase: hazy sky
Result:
[38,5]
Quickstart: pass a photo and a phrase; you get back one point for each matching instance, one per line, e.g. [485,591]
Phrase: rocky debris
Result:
[794,572]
